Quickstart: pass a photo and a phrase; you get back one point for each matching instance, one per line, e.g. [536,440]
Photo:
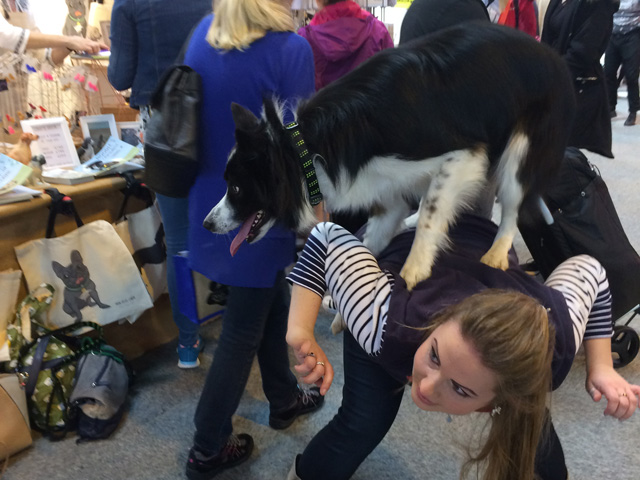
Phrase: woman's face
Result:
[448,375]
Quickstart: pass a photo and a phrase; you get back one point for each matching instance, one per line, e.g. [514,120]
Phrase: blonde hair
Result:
[514,338]
[238,23]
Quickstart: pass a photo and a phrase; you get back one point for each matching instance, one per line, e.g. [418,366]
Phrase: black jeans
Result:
[623,50]
[255,322]
[370,402]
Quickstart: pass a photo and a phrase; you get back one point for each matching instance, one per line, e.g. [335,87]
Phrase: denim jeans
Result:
[255,322]
[623,50]
[370,402]
[175,218]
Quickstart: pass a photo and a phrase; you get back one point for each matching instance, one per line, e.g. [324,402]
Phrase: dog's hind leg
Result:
[460,177]
[383,224]
[510,194]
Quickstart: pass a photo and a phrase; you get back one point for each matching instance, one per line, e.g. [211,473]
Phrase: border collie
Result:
[434,120]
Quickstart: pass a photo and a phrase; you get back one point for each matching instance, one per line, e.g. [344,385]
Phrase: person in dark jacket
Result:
[624,52]
[469,338]
[579,30]
[146,38]
[428,16]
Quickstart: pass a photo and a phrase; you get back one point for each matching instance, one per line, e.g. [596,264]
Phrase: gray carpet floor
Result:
[153,440]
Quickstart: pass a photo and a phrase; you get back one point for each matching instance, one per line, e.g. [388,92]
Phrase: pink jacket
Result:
[342,36]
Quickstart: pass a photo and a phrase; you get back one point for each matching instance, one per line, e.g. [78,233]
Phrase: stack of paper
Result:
[12,175]
[114,157]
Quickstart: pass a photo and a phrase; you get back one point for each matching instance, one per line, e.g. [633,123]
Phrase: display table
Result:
[97,200]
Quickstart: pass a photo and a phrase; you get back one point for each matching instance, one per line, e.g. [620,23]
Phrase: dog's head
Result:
[28,138]
[264,180]
[73,275]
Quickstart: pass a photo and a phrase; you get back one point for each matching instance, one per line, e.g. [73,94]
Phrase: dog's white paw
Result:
[338,324]
[327,304]
[414,274]
[495,260]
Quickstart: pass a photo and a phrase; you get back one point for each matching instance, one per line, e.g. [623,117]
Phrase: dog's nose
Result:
[208,224]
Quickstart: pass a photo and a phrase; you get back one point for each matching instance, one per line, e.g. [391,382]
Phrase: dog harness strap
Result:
[309,172]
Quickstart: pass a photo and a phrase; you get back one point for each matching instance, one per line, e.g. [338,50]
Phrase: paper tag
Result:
[47,72]
[30,64]
[92,83]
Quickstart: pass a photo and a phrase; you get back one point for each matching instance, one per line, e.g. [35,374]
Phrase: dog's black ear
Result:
[244,119]
[58,269]
[271,112]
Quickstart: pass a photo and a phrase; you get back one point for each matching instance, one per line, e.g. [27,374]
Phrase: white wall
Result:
[49,15]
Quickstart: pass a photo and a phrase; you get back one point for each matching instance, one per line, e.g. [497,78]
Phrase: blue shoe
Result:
[188,355]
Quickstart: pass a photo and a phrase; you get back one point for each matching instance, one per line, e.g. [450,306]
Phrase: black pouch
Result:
[171,135]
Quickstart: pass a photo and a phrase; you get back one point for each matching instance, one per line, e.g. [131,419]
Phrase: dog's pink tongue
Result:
[242,234]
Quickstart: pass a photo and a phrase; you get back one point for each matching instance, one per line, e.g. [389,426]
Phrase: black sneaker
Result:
[307,402]
[237,450]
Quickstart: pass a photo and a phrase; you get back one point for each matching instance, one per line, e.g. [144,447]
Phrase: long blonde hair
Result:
[238,23]
[514,338]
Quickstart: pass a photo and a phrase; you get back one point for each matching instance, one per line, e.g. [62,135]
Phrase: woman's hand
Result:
[622,397]
[313,365]
[80,44]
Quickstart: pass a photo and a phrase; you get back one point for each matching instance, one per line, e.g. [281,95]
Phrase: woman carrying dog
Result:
[246,51]
[470,338]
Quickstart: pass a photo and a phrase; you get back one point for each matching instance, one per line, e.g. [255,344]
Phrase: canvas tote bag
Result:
[143,234]
[15,434]
[93,273]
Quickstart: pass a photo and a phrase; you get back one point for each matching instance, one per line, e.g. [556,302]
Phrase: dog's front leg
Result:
[71,308]
[383,225]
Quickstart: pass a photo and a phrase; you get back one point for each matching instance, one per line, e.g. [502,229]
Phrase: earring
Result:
[496,411]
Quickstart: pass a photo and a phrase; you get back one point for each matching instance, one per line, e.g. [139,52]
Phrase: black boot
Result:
[631,119]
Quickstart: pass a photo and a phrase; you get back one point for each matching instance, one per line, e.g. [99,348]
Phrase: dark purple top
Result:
[458,274]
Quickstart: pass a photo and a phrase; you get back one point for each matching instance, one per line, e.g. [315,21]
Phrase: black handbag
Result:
[171,135]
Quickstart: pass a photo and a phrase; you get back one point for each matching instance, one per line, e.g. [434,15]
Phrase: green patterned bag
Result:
[47,364]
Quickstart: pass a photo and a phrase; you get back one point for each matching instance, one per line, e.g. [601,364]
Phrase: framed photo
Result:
[129,132]
[99,128]
[54,142]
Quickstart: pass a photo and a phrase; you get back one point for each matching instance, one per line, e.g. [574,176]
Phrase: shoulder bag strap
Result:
[38,357]
[136,188]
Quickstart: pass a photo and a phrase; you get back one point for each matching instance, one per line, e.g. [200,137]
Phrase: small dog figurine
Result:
[86,151]
[80,291]
[22,150]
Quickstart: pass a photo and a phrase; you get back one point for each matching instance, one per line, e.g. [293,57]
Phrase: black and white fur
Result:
[433,120]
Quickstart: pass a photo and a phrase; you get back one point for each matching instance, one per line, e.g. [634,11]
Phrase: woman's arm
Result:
[303,313]
[603,380]
[62,45]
